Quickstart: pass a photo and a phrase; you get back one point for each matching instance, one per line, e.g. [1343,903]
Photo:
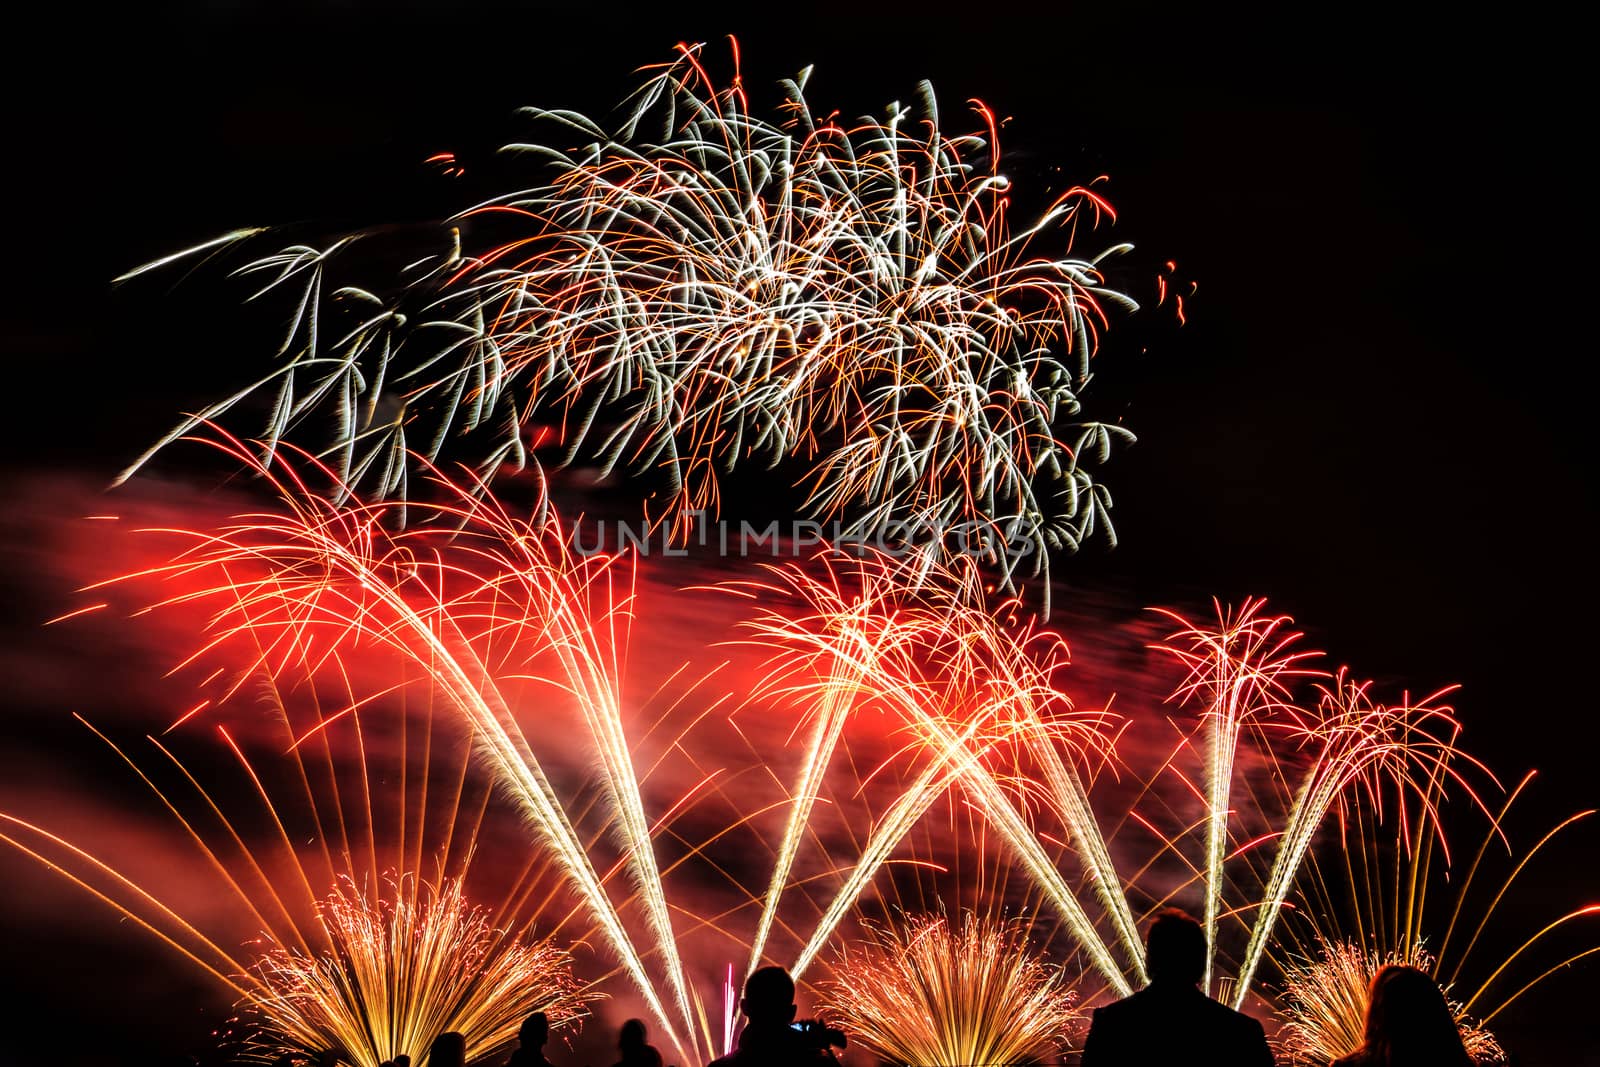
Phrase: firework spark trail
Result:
[1071,798]
[829,727]
[922,991]
[859,649]
[703,287]
[1325,1004]
[339,572]
[888,254]
[1022,689]
[1037,861]
[1354,742]
[515,759]
[891,829]
[1239,669]
[849,654]
[561,590]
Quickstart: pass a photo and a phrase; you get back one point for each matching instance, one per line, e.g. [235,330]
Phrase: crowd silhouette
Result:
[1169,1023]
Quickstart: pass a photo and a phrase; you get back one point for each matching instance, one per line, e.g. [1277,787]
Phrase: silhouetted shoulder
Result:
[1355,1059]
[1115,1012]
[1226,1016]
[1247,1037]
[1163,1026]
[1146,1002]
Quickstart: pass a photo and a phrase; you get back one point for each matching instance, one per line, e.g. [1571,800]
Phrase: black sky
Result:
[1378,414]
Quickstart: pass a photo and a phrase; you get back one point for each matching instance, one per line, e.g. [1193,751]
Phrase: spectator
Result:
[1171,1021]
[1408,1024]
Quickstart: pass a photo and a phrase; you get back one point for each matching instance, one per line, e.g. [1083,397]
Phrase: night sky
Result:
[1375,415]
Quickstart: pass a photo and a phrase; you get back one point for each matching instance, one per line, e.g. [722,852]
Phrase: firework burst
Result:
[692,289]
[923,992]
[400,970]
[703,287]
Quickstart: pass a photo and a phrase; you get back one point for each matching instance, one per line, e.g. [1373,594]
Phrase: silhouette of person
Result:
[1170,1021]
[533,1036]
[768,1039]
[636,1051]
[1408,1023]
[449,1049]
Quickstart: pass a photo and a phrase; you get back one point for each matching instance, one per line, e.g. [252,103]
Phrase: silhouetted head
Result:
[1409,1022]
[769,996]
[632,1036]
[1175,949]
[328,1058]
[449,1049]
[535,1030]
[402,1061]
